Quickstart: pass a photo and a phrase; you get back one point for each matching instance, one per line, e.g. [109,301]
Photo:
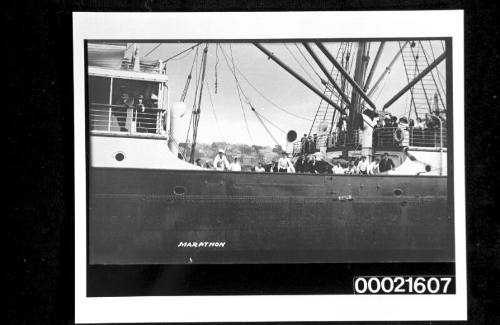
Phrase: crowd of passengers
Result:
[431,121]
[144,110]
[313,164]
[423,132]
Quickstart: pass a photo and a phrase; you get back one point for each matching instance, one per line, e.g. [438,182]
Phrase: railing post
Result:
[441,144]
[109,118]
[157,122]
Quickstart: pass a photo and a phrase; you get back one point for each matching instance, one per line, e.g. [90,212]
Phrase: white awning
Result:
[106,55]
[127,74]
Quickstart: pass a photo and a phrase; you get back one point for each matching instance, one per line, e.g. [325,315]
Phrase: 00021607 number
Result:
[404,285]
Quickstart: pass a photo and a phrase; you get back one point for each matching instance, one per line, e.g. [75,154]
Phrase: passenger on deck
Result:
[307,165]
[363,166]
[220,161]
[337,169]
[309,145]
[351,169]
[284,163]
[235,165]
[386,164]
[300,164]
[140,114]
[313,165]
[260,168]
[419,125]
[208,165]
[303,142]
[403,123]
[198,162]
[121,113]
[431,121]
[373,168]
[274,166]
[376,130]
[322,167]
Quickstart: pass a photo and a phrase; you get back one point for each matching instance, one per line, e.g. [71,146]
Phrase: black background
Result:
[38,115]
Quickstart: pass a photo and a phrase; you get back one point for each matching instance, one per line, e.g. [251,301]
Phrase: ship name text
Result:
[202,244]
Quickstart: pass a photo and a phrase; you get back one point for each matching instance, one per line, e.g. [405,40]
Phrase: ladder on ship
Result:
[425,96]
[326,114]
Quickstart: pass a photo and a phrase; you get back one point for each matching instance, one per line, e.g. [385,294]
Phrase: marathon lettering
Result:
[202,244]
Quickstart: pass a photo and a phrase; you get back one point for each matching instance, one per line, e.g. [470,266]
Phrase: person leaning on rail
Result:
[363,166]
[284,163]
[235,165]
[220,161]
[386,164]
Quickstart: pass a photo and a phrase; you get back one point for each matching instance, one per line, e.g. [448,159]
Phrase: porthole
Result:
[397,192]
[179,190]
[427,168]
[119,156]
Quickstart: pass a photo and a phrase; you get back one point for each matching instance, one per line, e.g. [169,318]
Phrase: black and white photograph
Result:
[287,164]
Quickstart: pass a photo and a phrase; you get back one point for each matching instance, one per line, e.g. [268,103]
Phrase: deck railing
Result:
[386,137]
[125,119]
[339,140]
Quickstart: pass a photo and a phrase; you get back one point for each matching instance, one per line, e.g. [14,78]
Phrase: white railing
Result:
[386,137]
[126,119]
[341,140]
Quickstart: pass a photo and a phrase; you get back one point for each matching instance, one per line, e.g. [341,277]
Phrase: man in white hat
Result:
[220,161]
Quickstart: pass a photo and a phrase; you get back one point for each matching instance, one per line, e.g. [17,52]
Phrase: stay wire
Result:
[213,111]
[267,98]
[238,91]
[154,48]
[302,67]
[309,63]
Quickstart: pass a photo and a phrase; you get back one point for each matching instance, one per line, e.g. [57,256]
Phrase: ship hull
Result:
[139,216]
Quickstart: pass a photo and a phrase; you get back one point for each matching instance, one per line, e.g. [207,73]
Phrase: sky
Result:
[222,116]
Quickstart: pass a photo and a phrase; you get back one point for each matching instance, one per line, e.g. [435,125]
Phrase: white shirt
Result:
[373,168]
[260,169]
[337,170]
[363,165]
[235,167]
[284,163]
[221,163]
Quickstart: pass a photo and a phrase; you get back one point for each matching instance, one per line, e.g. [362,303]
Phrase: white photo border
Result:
[269,25]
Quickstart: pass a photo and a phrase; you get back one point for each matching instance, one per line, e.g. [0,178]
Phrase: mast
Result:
[359,76]
[196,113]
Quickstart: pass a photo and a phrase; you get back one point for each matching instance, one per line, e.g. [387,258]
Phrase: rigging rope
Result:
[309,63]
[213,111]
[188,81]
[265,126]
[237,89]
[267,99]
[181,52]
[303,69]
[216,65]
[151,51]
[269,121]
[438,72]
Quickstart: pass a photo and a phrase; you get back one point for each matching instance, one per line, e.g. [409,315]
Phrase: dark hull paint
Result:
[135,217]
